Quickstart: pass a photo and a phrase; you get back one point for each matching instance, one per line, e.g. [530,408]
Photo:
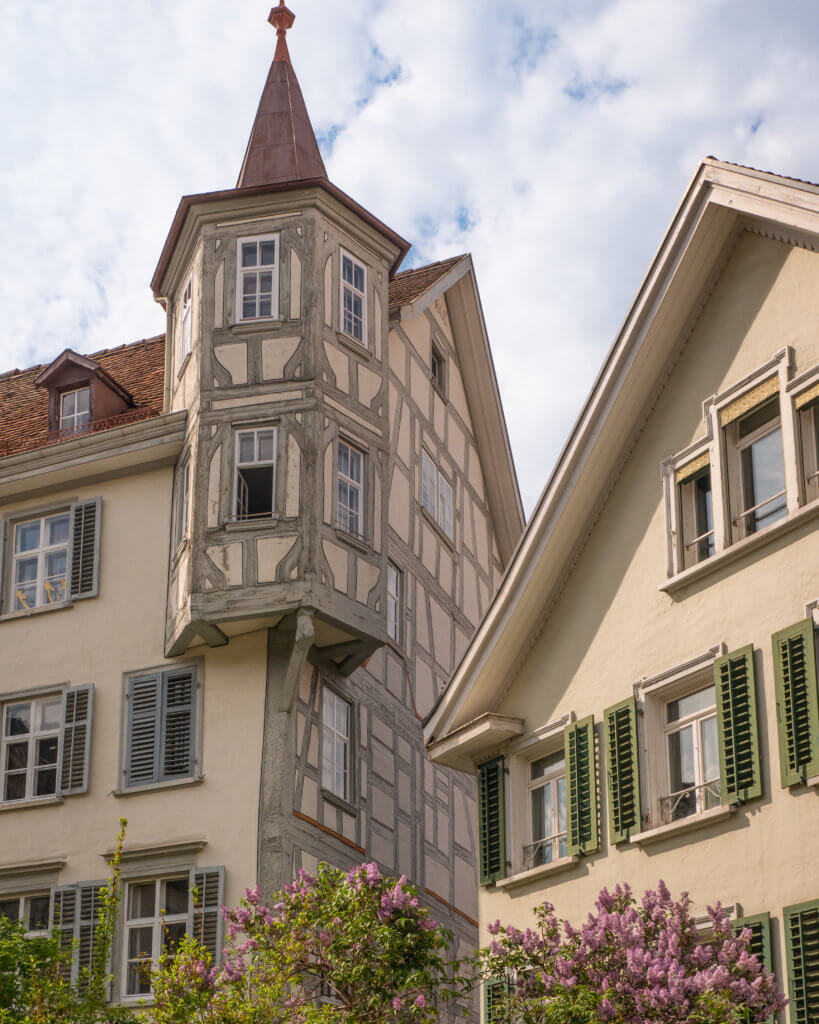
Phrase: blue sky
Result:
[552,139]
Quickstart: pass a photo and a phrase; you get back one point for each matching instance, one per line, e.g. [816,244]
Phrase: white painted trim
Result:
[533,874]
[679,673]
[656,835]
[275,269]
[527,745]
[364,340]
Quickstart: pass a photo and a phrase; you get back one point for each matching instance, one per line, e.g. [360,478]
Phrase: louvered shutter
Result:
[178,723]
[581,787]
[89,906]
[144,712]
[623,771]
[797,702]
[207,887]
[495,992]
[740,768]
[85,549]
[65,921]
[491,821]
[760,944]
[802,948]
[78,705]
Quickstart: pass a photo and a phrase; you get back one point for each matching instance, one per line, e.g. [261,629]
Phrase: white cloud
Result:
[552,140]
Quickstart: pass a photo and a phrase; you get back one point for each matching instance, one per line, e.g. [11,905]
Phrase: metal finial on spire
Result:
[281,18]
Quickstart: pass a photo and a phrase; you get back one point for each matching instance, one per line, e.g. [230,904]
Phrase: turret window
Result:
[350,489]
[255,473]
[184,325]
[353,297]
[257,278]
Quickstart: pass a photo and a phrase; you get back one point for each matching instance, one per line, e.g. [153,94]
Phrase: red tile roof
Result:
[410,285]
[138,367]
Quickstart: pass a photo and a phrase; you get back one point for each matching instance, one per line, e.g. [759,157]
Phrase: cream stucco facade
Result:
[598,608]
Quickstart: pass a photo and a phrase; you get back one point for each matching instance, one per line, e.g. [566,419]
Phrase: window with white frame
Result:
[696,516]
[40,561]
[75,411]
[336,733]
[31,748]
[547,803]
[808,426]
[756,469]
[156,920]
[181,514]
[395,597]
[436,494]
[255,483]
[257,277]
[692,755]
[31,911]
[185,316]
[350,489]
[353,297]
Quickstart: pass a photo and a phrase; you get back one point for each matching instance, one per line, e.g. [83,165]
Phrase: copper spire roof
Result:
[282,145]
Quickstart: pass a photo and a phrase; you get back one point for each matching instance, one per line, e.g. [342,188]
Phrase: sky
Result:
[552,139]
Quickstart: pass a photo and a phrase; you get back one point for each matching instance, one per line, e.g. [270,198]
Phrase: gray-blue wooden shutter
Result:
[89,909]
[78,706]
[178,750]
[65,921]
[85,548]
[207,894]
[144,721]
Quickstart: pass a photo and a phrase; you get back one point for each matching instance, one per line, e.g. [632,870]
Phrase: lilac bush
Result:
[631,963]
[359,939]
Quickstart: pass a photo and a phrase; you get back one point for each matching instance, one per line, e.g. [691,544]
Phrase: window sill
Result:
[22,805]
[338,801]
[740,548]
[433,522]
[656,835]
[152,787]
[354,345]
[359,543]
[43,609]
[259,324]
[263,522]
[533,874]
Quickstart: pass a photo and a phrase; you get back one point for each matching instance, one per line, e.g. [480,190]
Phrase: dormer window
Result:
[75,411]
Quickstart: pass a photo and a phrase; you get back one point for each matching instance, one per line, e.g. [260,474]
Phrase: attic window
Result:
[255,473]
[75,411]
[437,369]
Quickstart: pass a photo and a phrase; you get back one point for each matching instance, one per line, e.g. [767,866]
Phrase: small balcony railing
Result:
[544,851]
[685,802]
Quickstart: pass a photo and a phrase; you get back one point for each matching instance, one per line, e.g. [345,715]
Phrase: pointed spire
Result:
[282,144]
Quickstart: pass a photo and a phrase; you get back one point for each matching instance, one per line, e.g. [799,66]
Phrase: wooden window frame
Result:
[360,486]
[23,901]
[439,376]
[347,797]
[395,600]
[441,481]
[259,268]
[693,720]
[157,922]
[35,733]
[550,778]
[184,343]
[256,430]
[73,428]
[355,292]
[40,552]
[182,509]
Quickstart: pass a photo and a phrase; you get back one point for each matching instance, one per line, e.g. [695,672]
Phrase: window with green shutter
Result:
[802,953]
[491,821]
[623,770]
[495,993]
[581,787]
[797,702]
[740,766]
[760,944]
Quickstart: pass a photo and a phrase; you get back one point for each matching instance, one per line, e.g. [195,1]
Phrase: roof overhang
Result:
[721,200]
[70,357]
[208,198]
[461,748]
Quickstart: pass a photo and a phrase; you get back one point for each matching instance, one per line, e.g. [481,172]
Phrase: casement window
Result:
[336,744]
[185,319]
[801,926]
[53,559]
[182,510]
[75,411]
[162,715]
[623,771]
[350,489]
[692,751]
[32,911]
[437,369]
[155,921]
[45,745]
[257,277]
[492,821]
[696,516]
[255,484]
[756,469]
[547,802]
[353,298]
[436,494]
[807,412]
[495,996]
[395,601]
[797,702]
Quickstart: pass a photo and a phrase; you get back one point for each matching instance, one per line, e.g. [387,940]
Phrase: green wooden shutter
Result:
[740,768]
[491,821]
[495,993]
[581,787]
[797,702]
[85,549]
[206,896]
[802,952]
[623,770]
[760,944]
[144,719]
[65,921]
[78,705]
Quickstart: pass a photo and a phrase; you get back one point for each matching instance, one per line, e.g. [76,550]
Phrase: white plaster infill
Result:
[740,548]
[675,828]
[533,874]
